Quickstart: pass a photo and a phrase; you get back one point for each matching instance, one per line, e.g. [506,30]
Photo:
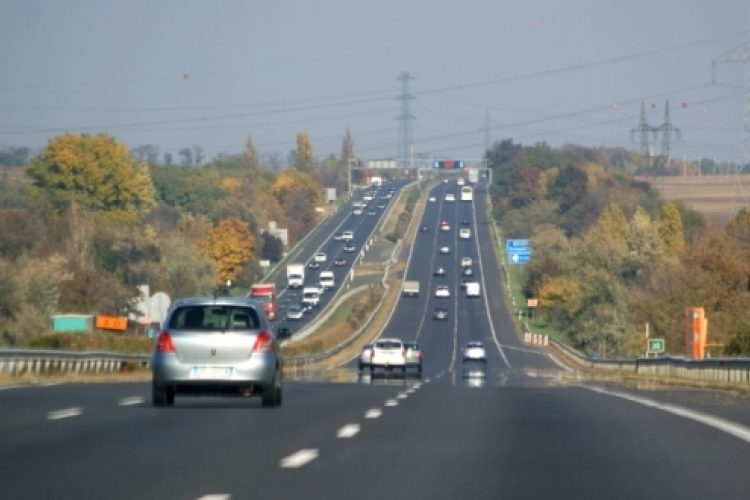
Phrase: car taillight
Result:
[264,342]
[164,343]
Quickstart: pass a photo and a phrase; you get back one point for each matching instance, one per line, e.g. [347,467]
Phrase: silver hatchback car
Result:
[216,347]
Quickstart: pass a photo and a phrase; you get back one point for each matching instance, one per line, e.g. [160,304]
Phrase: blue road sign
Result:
[519,251]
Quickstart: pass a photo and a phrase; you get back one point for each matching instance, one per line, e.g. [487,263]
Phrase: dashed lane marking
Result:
[373,413]
[215,497]
[298,459]
[391,402]
[402,395]
[66,413]
[348,431]
[135,400]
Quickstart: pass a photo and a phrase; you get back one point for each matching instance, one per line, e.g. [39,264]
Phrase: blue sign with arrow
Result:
[519,251]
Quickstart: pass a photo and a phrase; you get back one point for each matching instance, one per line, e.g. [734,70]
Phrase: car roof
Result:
[474,344]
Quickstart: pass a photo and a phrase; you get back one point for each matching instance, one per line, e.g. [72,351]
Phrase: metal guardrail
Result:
[22,361]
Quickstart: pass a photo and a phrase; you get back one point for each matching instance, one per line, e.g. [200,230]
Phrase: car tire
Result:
[271,397]
[162,397]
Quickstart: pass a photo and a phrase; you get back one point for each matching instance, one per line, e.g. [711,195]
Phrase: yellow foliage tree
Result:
[559,291]
[230,184]
[230,244]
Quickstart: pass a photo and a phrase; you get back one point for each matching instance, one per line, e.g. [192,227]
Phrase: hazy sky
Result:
[181,73]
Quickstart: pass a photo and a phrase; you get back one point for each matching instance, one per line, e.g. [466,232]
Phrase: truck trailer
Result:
[265,293]
[295,275]
[410,289]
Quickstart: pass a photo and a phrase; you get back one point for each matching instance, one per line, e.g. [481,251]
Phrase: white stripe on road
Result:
[402,395]
[215,497]
[731,428]
[67,413]
[298,459]
[374,413]
[135,400]
[391,402]
[348,431]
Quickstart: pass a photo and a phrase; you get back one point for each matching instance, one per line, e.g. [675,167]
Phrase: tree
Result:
[569,187]
[14,157]
[147,153]
[304,160]
[186,155]
[251,161]
[273,247]
[524,186]
[198,155]
[670,231]
[95,171]
[230,244]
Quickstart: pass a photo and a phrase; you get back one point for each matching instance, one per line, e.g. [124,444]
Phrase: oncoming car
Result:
[474,351]
[219,346]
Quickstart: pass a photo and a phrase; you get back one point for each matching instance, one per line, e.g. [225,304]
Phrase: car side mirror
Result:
[283,333]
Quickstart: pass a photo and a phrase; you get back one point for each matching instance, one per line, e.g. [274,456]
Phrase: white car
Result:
[357,211]
[388,353]
[347,235]
[474,351]
[445,250]
[432,199]
[320,257]
[295,312]
[466,262]
[442,291]
[464,233]
[444,226]
[460,181]
[450,197]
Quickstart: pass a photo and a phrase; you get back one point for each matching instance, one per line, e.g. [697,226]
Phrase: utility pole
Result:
[666,130]
[406,139]
[487,124]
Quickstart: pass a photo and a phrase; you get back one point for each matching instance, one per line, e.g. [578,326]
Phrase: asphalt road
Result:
[522,428]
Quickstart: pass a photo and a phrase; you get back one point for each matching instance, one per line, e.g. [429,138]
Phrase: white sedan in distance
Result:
[442,291]
[464,233]
[466,262]
[450,197]
[445,250]
[320,257]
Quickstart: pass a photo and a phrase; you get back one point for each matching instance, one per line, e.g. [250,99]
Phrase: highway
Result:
[521,428]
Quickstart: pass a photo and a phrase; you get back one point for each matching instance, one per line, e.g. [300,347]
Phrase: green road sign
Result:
[655,346]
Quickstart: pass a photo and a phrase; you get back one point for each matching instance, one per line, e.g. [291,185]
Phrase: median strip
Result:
[67,413]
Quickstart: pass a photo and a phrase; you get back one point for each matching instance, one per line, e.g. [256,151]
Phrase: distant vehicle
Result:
[320,257]
[365,357]
[442,291]
[472,289]
[440,313]
[372,212]
[410,289]
[466,262]
[295,312]
[381,207]
[265,293]
[349,247]
[376,181]
[460,181]
[368,197]
[468,271]
[347,235]
[311,296]
[450,197]
[357,211]
[432,199]
[387,354]
[467,193]
[338,237]
[445,250]
[295,275]
[339,261]
[247,363]
[413,356]
[424,229]
[445,181]
[327,279]
[464,233]
[444,226]
[313,264]
[439,272]
[465,221]
[474,351]
[464,282]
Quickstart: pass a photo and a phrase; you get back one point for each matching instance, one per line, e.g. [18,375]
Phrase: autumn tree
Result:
[670,231]
[230,244]
[251,161]
[524,186]
[304,160]
[95,171]
[569,187]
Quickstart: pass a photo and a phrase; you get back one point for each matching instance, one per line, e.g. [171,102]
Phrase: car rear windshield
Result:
[411,345]
[214,317]
[474,344]
[389,344]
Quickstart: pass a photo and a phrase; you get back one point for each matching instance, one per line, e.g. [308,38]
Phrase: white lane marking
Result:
[391,402]
[215,497]
[8,387]
[135,400]
[731,428]
[373,413]
[348,431]
[417,385]
[402,395]
[427,381]
[66,413]
[298,459]
[409,391]
[51,384]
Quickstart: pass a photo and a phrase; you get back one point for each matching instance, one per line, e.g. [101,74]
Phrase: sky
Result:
[181,73]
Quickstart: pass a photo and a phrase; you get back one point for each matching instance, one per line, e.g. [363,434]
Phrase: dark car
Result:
[440,313]
[463,283]
[439,272]
[338,237]
[350,248]
[468,272]
[465,221]
[339,262]
[313,265]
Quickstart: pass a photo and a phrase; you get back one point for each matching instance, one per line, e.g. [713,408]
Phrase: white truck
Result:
[295,275]
[472,289]
[410,289]
[377,181]
[311,296]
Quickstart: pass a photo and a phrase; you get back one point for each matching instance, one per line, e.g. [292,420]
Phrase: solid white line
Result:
[373,413]
[8,387]
[731,428]
[51,384]
[135,400]
[402,395]
[299,459]
[215,497]
[67,413]
[391,402]
[348,431]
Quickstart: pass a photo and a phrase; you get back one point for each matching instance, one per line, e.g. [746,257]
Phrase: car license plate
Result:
[212,372]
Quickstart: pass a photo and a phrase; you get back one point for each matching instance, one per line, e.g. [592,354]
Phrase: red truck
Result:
[265,294]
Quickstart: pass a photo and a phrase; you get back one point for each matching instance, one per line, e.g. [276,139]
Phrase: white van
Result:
[326,279]
[472,289]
